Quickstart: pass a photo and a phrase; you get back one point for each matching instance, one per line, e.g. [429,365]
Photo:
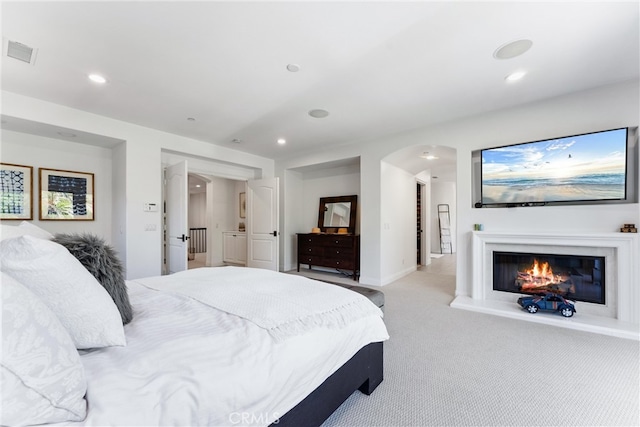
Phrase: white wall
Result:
[238,187]
[142,172]
[292,220]
[217,209]
[607,107]
[302,193]
[49,153]
[222,198]
[603,108]
[332,182]
[398,228]
[119,198]
[197,210]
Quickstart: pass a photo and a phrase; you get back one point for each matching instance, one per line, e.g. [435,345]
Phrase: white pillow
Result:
[82,305]
[43,380]
[33,230]
[25,228]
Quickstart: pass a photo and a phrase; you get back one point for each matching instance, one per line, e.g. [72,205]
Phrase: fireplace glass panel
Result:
[576,277]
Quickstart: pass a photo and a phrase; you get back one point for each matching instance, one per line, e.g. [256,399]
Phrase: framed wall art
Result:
[66,195]
[243,205]
[16,192]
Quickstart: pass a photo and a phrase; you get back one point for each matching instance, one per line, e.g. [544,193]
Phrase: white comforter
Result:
[281,304]
[187,363]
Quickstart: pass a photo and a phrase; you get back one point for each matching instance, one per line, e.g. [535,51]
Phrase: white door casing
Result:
[262,223]
[177,199]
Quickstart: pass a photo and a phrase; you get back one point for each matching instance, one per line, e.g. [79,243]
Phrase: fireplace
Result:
[576,277]
[618,311]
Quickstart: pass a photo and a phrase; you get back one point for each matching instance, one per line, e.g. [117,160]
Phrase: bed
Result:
[230,346]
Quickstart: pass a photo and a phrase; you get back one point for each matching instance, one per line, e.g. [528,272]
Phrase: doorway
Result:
[197,221]
[432,176]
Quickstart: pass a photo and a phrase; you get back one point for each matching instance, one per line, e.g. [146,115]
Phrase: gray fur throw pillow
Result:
[103,263]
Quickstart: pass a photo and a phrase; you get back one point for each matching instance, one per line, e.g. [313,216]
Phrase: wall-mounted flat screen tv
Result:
[580,168]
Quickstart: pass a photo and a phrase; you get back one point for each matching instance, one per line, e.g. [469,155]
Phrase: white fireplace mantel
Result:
[623,278]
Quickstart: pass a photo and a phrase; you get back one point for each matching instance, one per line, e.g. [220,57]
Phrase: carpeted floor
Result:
[450,367]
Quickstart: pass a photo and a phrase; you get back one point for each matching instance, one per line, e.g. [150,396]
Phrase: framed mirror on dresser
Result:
[335,243]
[339,212]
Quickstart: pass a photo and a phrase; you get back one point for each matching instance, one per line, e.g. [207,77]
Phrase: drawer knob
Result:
[309,249]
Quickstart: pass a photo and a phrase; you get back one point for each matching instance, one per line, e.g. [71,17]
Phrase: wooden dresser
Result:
[339,251]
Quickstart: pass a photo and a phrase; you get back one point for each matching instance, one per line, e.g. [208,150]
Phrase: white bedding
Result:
[282,304]
[187,363]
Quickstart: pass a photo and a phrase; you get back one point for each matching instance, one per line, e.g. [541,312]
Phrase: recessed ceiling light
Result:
[318,114]
[198,185]
[428,156]
[294,68]
[97,78]
[515,76]
[282,141]
[512,49]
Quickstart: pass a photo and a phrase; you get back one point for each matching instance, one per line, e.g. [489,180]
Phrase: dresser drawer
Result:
[319,261]
[312,240]
[345,264]
[326,240]
[338,252]
[333,251]
[339,241]
[306,249]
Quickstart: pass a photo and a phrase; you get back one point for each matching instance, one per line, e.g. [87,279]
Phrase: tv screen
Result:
[589,167]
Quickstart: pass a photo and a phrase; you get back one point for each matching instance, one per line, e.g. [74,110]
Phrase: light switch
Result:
[150,207]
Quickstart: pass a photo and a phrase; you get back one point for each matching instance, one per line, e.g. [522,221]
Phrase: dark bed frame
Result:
[362,372]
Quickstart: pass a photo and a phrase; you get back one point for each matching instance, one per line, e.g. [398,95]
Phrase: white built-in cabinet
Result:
[234,249]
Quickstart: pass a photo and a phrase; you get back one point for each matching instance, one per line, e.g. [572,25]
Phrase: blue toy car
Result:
[549,302]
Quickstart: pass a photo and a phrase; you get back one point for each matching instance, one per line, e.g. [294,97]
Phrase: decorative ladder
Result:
[444,222]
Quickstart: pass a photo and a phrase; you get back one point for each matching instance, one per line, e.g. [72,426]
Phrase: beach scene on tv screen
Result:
[577,168]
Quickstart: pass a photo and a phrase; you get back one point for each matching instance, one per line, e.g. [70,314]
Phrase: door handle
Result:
[275,234]
[183,238]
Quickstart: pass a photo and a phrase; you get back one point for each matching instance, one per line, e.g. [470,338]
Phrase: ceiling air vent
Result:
[21,52]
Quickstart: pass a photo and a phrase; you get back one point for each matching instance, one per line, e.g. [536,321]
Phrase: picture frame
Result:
[243,205]
[66,195]
[16,192]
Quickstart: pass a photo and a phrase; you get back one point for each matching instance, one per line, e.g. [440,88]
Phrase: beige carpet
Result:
[450,367]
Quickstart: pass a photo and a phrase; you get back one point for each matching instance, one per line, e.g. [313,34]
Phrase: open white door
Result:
[262,223]
[177,194]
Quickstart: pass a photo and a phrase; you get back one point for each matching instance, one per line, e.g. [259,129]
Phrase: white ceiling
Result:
[377,67]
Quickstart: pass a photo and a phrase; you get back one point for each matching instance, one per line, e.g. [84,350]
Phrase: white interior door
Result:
[262,223]
[177,198]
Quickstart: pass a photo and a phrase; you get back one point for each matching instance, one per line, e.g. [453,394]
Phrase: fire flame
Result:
[540,277]
[543,271]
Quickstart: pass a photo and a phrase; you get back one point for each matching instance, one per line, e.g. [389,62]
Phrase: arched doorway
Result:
[434,171]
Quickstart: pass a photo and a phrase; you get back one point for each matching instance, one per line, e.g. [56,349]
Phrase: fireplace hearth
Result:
[619,315]
[575,277]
